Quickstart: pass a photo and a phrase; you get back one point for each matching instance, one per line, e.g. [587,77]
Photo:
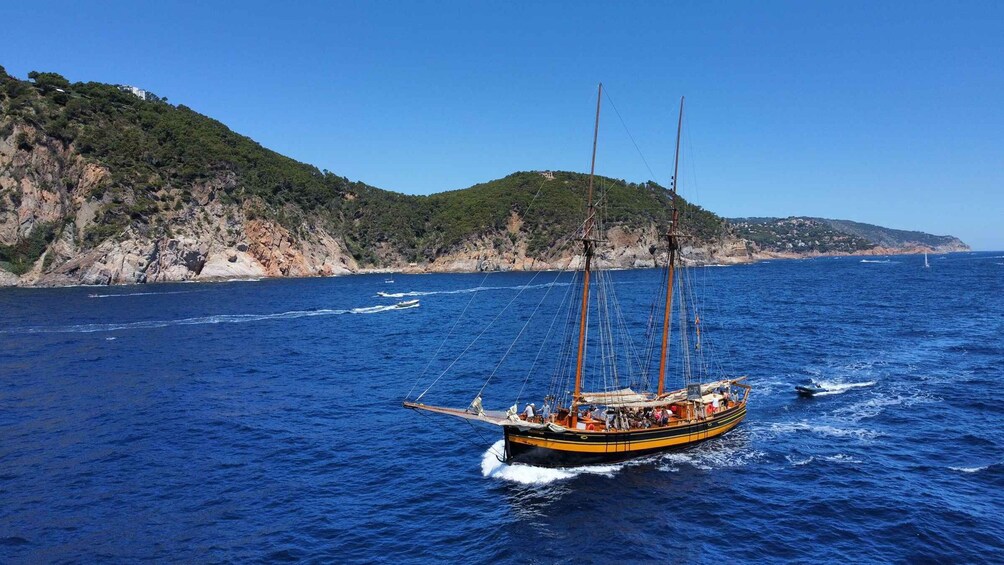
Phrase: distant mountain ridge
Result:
[105,184]
[805,234]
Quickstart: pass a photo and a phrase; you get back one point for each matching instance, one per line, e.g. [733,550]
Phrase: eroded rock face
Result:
[44,182]
[33,182]
[623,249]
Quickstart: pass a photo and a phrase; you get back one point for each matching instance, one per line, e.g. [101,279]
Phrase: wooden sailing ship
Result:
[621,423]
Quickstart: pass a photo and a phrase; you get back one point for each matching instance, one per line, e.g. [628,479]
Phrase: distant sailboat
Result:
[926,264]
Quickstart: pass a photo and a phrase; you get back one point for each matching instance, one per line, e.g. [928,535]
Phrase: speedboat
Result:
[810,389]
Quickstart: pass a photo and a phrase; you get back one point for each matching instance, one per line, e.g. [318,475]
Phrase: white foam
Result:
[841,458]
[124,294]
[969,469]
[877,404]
[822,429]
[218,319]
[493,468]
[720,453]
[799,462]
[833,387]
[466,290]
[875,261]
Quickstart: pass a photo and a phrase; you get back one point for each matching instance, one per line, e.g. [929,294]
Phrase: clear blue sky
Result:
[882,112]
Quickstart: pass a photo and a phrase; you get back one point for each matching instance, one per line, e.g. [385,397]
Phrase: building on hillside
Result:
[138,92]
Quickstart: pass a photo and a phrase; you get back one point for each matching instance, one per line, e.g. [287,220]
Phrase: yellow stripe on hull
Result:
[614,446]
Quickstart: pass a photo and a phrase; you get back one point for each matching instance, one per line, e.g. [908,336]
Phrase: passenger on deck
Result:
[528,412]
[596,414]
[545,411]
[661,417]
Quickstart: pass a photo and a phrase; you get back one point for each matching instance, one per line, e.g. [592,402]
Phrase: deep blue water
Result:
[253,421]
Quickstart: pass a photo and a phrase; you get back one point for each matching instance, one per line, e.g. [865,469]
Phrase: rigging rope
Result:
[550,328]
[461,317]
[606,92]
[443,343]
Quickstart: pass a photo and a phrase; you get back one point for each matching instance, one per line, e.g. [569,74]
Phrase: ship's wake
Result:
[203,320]
[383,294]
[493,468]
[733,450]
[833,387]
[127,294]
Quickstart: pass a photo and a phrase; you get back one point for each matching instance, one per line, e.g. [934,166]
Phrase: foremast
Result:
[588,244]
[672,236]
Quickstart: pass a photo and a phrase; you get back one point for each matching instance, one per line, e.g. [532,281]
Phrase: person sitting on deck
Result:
[661,418]
[596,414]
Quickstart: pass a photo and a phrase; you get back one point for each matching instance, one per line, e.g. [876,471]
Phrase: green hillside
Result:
[159,153]
[821,235]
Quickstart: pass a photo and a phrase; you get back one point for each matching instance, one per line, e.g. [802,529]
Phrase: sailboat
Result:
[617,423]
[926,264]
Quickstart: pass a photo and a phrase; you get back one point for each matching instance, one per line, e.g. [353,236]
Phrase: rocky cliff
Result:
[47,187]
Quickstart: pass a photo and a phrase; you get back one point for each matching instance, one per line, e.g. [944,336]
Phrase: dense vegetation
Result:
[798,235]
[158,153]
[19,257]
[888,237]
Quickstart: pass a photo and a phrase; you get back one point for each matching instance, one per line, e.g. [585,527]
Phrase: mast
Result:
[587,246]
[671,236]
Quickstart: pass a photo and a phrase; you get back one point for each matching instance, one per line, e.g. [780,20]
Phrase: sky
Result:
[889,113]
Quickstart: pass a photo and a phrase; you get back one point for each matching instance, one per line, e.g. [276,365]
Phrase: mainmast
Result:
[671,236]
[588,242]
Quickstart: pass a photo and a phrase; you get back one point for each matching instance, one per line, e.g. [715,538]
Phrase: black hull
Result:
[545,448]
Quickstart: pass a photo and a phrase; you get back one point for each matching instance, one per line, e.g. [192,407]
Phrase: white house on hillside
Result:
[138,92]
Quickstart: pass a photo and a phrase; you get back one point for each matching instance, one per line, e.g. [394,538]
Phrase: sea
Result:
[262,421]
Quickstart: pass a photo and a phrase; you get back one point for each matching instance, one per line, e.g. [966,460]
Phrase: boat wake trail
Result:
[822,429]
[202,320]
[724,452]
[838,458]
[492,468]
[124,294]
[833,387]
[876,261]
[467,290]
